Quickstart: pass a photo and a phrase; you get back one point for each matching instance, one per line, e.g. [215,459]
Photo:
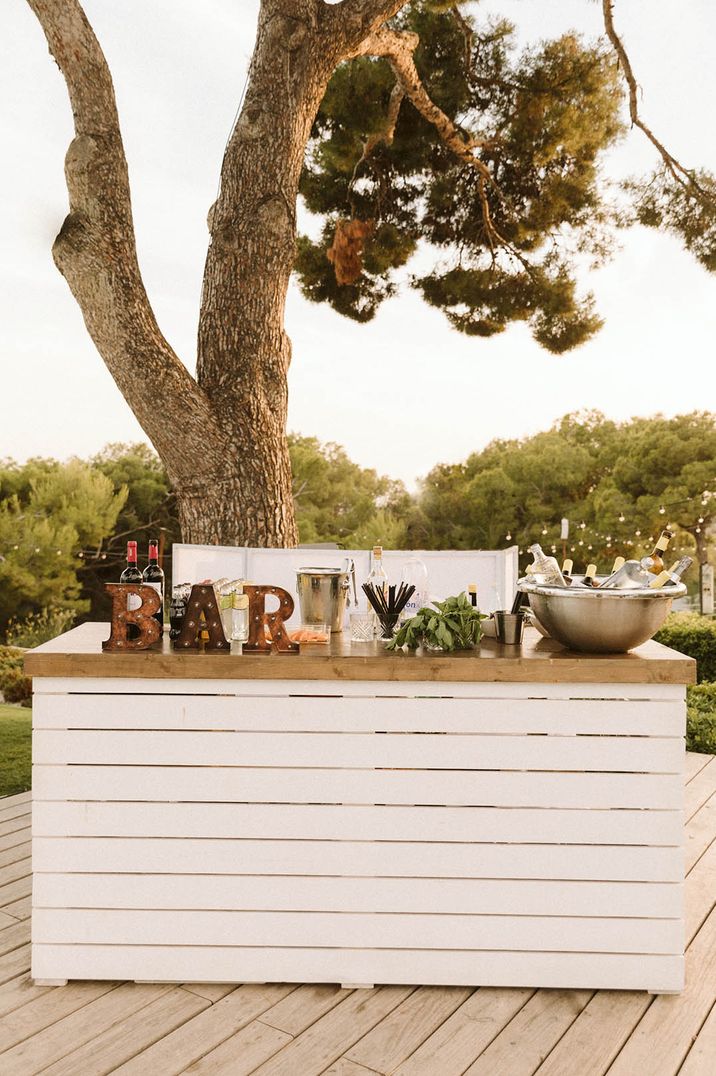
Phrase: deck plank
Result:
[525,1042]
[56,1041]
[14,853]
[42,1011]
[303,1007]
[19,909]
[13,936]
[18,992]
[243,1052]
[462,1037]
[700,1058]
[178,1049]
[695,762]
[323,1042]
[14,964]
[700,789]
[407,1027]
[672,1022]
[121,1041]
[17,825]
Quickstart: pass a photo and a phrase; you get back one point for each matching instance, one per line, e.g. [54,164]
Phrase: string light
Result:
[622,517]
[662,511]
[508,537]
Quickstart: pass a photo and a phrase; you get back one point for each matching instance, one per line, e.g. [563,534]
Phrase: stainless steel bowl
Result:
[600,621]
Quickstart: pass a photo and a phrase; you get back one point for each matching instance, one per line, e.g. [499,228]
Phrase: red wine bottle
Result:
[132,574]
[153,576]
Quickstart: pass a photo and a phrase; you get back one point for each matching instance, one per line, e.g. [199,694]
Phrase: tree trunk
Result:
[221,438]
[243,350]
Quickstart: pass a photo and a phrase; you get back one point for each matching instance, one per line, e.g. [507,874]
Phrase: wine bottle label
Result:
[156,586]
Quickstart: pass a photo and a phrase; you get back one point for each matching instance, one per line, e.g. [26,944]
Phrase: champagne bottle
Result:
[567,570]
[619,562]
[547,567]
[472,594]
[655,562]
[153,577]
[673,576]
[132,574]
[589,578]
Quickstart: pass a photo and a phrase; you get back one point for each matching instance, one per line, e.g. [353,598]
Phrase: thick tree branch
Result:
[398,48]
[95,250]
[679,172]
[352,20]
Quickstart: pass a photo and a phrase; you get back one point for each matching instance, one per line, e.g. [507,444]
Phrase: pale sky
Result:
[402,393]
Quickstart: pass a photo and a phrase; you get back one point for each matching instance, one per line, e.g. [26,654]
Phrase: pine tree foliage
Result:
[492,249]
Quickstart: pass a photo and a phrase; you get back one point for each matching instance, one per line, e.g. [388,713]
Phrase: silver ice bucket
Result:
[323,592]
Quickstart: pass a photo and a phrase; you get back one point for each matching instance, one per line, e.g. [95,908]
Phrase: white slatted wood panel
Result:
[486,716]
[385,859]
[472,788]
[597,971]
[626,754]
[355,931]
[353,823]
[290,893]
[382,689]
[451,834]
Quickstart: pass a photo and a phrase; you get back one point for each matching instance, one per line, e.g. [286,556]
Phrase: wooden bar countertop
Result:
[79,653]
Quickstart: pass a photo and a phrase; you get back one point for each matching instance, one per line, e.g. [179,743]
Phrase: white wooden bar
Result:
[251,828]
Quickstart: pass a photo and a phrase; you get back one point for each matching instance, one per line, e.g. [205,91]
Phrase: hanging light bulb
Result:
[662,511]
[508,537]
[609,538]
[701,519]
[80,555]
[583,525]
[622,517]
[581,542]
[554,548]
[544,530]
[573,548]
[698,530]
[637,534]
[59,552]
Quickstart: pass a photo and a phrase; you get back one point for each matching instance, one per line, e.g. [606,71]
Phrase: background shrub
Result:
[38,628]
[14,685]
[694,636]
[701,718]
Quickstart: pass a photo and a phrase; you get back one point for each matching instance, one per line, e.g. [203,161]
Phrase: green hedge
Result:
[694,636]
[14,685]
[701,719]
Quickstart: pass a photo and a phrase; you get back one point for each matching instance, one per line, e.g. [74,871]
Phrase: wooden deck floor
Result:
[91,1028]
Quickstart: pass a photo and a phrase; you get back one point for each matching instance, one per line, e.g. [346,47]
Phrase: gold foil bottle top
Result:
[567,566]
[619,562]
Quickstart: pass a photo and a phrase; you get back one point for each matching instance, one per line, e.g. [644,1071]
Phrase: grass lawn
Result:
[15,746]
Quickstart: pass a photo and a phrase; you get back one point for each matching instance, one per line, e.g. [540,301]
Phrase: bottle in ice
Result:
[589,579]
[673,576]
[655,562]
[567,566]
[546,567]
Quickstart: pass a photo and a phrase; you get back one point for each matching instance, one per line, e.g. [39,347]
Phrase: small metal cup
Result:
[510,627]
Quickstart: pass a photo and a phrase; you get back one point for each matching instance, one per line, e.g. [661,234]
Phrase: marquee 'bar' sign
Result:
[202,615]
[260,620]
[149,630]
